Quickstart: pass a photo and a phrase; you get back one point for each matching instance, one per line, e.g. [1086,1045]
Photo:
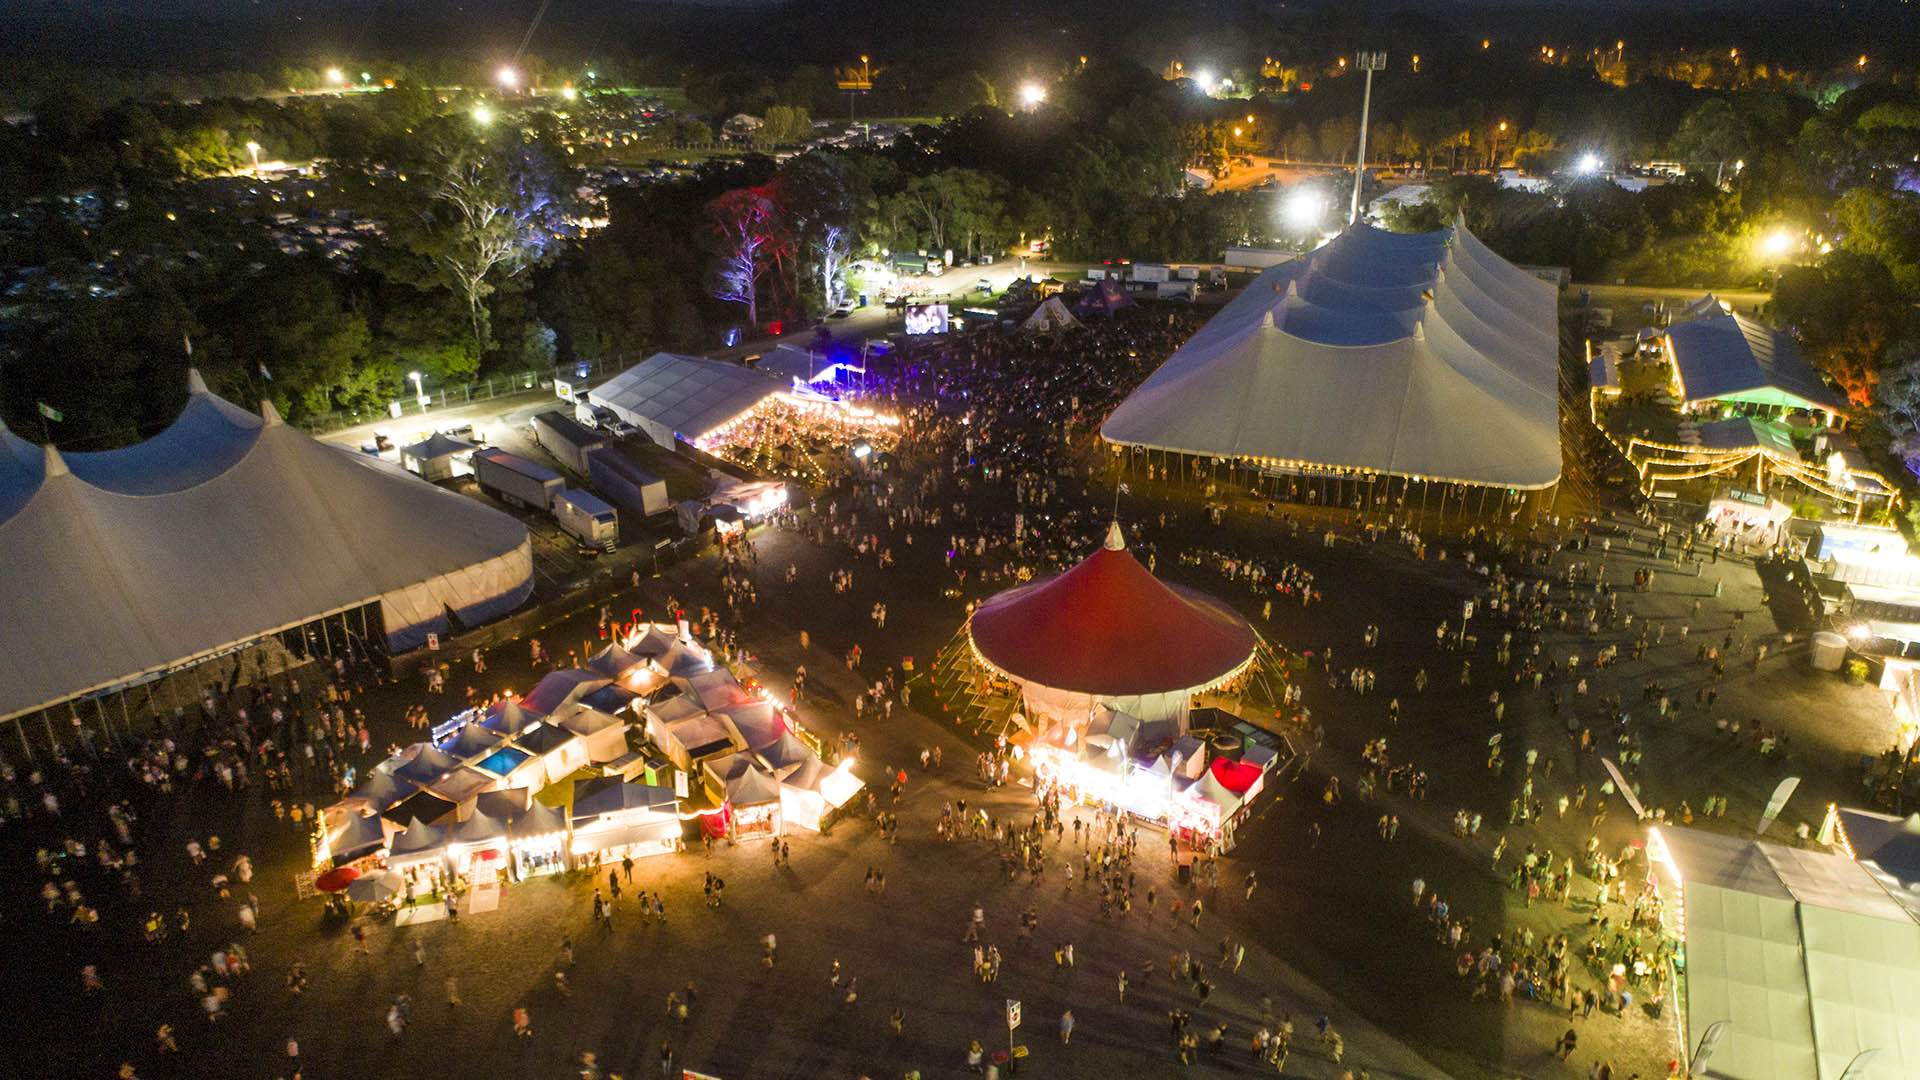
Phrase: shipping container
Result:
[515,480]
[1177,290]
[1256,258]
[586,518]
[624,483]
[1154,272]
[566,439]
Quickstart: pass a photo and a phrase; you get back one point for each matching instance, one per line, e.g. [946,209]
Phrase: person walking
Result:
[522,1022]
[1066,1027]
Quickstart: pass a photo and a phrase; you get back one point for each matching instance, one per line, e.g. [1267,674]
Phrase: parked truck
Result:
[1253,258]
[564,438]
[1153,272]
[624,483]
[587,518]
[1177,290]
[516,481]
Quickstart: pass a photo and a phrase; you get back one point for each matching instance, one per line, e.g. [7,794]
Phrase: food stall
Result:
[811,792]
[537,840]
[478,848]
[614,819]
[553,752]
[751,796]
[418,850]
[603,735]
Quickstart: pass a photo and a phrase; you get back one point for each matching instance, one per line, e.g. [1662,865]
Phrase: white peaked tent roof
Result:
[222,529]
[1422,355]
[438,444]
[1050,315]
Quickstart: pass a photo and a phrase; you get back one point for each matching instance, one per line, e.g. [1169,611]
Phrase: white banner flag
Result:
[1626,790]
[1776,804]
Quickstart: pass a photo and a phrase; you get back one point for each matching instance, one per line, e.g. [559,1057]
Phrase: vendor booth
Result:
[537,840]
[463,783]
[477,848]
[508,717]
[440,457]
[419,850]
[615,819]
[751,793]
[689,736]
[812,791]
[671,649]
[380,791]
[349,836]
[471,740]
[1748,520]
[554,752]
[420,806]
[425,763]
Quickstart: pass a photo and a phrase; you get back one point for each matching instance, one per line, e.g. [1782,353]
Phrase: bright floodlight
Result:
[1303,208]
[569,93]
[507,77]
[482,115]
[1032,94]
[1588,164]
[1778,242]
[1204,80]
[336,76]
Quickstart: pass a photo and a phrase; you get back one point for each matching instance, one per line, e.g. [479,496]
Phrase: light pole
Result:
[419,391]
[253,150]
[1368,62]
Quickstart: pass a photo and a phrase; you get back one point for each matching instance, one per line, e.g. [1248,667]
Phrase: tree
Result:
[1844,311]
[787,124]
[748,235]
[1886,225]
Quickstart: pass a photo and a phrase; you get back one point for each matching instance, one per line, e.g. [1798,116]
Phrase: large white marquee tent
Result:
[1419,355]
[223,529]
[684,398]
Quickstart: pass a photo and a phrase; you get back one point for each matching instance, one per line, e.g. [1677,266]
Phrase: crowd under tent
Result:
[675,398]
[1107,632]
[1806,956]
[438,457]
[1380,356]
[227,532]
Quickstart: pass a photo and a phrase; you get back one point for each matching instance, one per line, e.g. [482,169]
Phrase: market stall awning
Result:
[1109,627]
[417,838]
[508,717]
[420,806]
[426,763]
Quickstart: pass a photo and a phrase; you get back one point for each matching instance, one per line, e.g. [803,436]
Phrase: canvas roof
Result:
[1109,627]
[613,661]
[439,444]
[421,805]
[503,803]
[588,721]
[1422,355]
[464,783]
[612,794]
[1742,432]
[1805,953]
[478,829]
[752,786]
[472,739]
[222,529]
[382,789]
[1050,315]
[355,835]
[558,689]
[1721,354]
[690,396]
[543,739]
[425,763]
[508,717]
[417,837]
[538,820]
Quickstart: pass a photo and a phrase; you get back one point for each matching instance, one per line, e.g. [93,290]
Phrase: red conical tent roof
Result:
[1109,627]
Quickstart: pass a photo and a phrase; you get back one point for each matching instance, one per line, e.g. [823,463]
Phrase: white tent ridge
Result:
[670,396]
[223,529]
[1419,355]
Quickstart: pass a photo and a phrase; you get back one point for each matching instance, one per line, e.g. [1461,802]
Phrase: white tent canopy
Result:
[1805,954]
[217,532]
[671,397]
[1423,355]
[1049,316]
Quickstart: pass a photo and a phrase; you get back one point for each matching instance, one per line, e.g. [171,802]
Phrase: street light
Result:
[1204,80]
[1303,209]
[569,92]
[419,390]
[336,77]
[508,78]
[253,149]
[482,115]
[1777,243]
[1589,164]
[1032,94]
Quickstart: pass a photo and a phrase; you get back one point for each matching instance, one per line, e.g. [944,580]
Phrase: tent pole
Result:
[1483,501]
[126,720]
[26,747]
[1423,502]
[53,744]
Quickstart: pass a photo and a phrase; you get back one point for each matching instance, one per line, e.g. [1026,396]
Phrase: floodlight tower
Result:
[1368,62]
